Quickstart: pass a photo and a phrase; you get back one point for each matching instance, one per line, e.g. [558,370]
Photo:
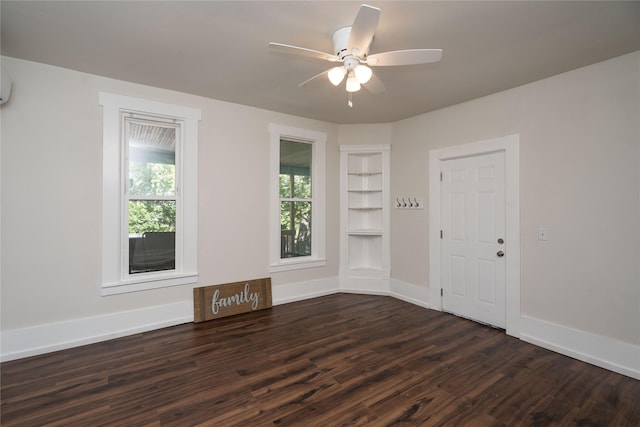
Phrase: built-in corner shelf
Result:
[364,211]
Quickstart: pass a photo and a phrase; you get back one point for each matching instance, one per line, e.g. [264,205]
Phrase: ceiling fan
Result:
[351,46]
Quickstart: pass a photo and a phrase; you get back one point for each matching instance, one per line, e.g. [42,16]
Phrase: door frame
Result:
[510,144]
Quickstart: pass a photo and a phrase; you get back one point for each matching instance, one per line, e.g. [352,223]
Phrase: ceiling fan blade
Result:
[303,51]
[314,77]
[404,57]
[363,29]
[374,85]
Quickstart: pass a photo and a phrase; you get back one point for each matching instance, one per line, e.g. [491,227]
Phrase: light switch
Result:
[543,234]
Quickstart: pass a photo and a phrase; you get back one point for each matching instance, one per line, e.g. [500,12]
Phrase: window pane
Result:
[152,226]
[285,186]
[295,186]
[302,187]
[295,229]
[295,169]
[152,159]
[152,215]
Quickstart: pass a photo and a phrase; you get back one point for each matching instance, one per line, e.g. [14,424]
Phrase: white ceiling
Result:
[218,49]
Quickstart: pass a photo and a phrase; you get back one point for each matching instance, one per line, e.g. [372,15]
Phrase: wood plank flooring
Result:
[340,360]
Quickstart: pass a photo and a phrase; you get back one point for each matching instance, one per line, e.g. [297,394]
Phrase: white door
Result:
[473,233]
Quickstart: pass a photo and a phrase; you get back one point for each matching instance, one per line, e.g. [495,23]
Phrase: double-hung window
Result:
[149,212]
[298,198]
[151,192]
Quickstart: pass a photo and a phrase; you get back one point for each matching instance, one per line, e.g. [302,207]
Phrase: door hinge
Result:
[441,292]
[441,235]
[440,176]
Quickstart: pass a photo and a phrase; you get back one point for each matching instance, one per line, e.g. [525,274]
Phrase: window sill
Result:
[149,282]
[297,264]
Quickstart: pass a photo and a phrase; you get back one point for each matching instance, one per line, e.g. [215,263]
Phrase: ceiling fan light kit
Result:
[363,73]
[336,75]
[353,85]
[351,46]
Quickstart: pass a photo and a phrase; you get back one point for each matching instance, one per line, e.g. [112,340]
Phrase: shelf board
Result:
[368,208]
[364,173]
[366,269]
[365,232]
[365,191]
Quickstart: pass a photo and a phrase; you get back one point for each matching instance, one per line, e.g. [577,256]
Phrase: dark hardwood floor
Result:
[336,360]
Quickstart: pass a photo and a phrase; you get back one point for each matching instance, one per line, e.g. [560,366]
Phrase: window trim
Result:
[113,278]
[318,205]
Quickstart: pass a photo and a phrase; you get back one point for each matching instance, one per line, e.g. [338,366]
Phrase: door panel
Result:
[487,281]
[458,220]
[473,219]
[458,275]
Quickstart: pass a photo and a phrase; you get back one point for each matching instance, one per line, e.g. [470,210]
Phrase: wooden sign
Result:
[212,302]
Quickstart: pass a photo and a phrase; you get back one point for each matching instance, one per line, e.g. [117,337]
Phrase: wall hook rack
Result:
[409,203]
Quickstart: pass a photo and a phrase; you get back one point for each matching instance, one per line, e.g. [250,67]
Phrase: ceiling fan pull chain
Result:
[350,102]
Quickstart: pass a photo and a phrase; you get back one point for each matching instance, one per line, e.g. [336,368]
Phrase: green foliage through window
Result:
[152,179]
[152,215]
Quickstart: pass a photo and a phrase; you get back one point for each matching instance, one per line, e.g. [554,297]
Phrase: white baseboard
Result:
[598,350]
[410,293]
[291,292]
[395,288]
[31,341]
[366,286]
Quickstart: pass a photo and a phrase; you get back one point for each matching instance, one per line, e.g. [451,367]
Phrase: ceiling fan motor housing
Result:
[340,40]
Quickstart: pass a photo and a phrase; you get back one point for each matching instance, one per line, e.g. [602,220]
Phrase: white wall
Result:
[51,172]
[580,178]
[370,134]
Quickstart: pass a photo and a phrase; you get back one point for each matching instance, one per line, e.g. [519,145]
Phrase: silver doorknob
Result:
[500,254]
